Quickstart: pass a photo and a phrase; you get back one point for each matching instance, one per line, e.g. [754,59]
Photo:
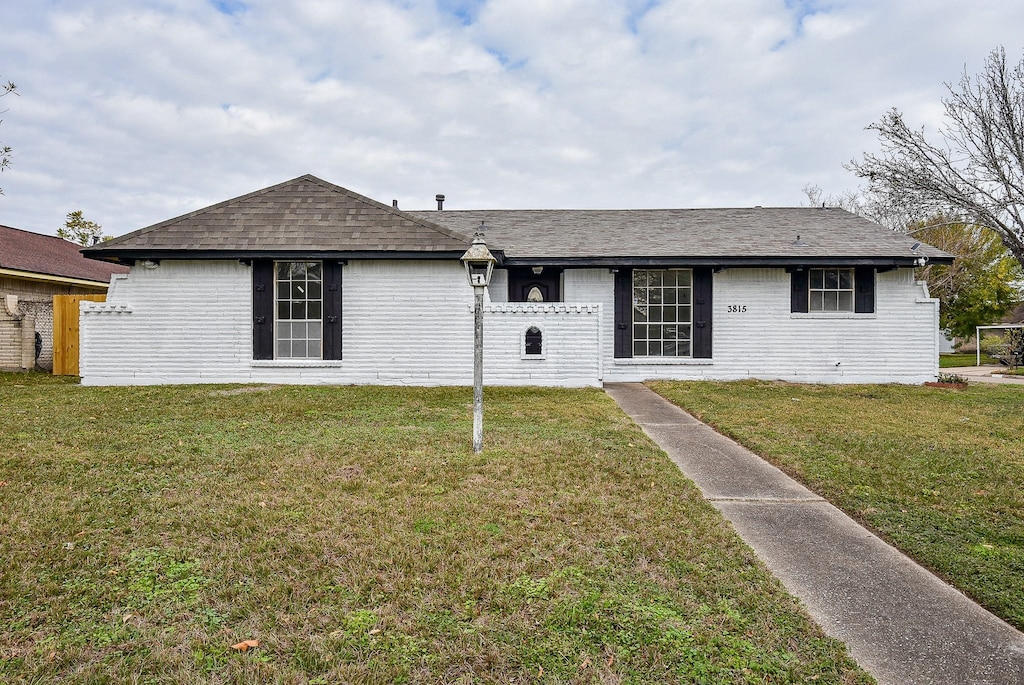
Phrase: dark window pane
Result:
[282,290]
[817,279]
[831,279]
[683,314]
[313,271]
[283,271]
[684,277]
[533,340]
[655,314]
[639,349]
[654,349]
[655,296]
[282,310]
[640,332]
[846,279]
[670,349]
[315,290]
[846,301]
[298,310]
[817,301]
[313,310]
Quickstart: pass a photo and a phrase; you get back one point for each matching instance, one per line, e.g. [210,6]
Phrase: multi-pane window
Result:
[831,290]
[298,302]
[662,312]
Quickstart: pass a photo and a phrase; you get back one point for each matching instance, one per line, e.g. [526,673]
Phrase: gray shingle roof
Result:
[310,216]
[701,233]
[305,214]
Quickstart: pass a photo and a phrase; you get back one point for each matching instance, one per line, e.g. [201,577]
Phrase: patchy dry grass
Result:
[354,534]
[940,473]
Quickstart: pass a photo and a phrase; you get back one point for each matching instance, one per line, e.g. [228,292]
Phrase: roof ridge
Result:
[443,230]
[310,178]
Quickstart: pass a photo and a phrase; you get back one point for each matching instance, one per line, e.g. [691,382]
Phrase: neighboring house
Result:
[307,282]
[34,268]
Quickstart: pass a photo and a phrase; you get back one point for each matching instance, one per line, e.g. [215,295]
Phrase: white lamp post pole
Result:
[478,369]
[479,263]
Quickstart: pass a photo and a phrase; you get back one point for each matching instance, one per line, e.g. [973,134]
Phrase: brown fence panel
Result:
[65,332]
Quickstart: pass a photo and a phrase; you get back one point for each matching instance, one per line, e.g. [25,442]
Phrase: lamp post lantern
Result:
[479,263]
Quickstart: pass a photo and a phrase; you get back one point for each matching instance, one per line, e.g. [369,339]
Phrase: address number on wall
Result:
[736,308]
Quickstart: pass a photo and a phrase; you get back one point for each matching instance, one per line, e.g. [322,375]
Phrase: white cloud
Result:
[138,110]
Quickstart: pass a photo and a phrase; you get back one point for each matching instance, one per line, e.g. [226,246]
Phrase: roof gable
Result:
[51,256]
[303,215]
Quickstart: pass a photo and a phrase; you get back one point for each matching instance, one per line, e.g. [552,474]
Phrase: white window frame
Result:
[290,300]
[649,321]
[835,294]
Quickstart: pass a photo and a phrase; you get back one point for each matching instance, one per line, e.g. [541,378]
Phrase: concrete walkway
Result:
[983,374]
[900,622]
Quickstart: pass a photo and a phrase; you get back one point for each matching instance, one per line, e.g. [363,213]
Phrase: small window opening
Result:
[534,340]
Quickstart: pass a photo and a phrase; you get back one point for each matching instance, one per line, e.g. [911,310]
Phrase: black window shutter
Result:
[864,297]
[332,310]
[623,313]
[262,309]
[702,287]
[799,299]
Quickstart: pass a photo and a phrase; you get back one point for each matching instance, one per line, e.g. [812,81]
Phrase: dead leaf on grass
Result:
[245,645]
[586,664]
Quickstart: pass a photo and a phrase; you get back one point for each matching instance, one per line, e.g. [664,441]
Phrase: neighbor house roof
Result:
[308,216]
[44,257]
[305,215]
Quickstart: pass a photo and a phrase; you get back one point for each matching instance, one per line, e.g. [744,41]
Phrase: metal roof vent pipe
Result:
[440,201]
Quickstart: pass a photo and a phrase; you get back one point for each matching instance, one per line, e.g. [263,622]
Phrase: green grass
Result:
[355,535]
[939,473]
[949,361]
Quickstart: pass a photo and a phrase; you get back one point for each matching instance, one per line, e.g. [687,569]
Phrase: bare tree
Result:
[5,150]
[975,174]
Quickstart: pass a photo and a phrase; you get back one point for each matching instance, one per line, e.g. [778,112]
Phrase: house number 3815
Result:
[736,308]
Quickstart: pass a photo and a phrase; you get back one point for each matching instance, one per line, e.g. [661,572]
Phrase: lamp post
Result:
[479,263]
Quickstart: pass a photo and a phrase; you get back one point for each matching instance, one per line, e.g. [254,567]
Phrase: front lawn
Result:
[953,360]
[939,473]
[353,534]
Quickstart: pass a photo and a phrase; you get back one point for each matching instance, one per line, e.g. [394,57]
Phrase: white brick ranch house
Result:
[307,282]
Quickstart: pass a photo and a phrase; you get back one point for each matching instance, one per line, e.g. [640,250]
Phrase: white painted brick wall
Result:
[407,322]
[410,322]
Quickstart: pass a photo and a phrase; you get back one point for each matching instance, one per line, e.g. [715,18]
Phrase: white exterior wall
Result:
[895,344]
[408,322]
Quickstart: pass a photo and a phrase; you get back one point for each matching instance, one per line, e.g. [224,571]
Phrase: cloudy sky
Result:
[135,111]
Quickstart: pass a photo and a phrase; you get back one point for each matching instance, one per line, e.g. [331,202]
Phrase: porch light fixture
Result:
[479,263]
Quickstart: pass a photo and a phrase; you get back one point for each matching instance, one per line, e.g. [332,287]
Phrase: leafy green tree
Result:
[982,284]
[5,150]
[78,229]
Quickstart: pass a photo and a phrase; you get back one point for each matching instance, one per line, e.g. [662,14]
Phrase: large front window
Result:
[831,290]
[662,312]
[298,304]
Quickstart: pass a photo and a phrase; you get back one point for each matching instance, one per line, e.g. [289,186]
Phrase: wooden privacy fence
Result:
[65,332]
